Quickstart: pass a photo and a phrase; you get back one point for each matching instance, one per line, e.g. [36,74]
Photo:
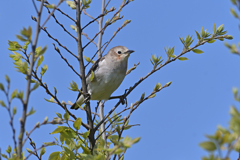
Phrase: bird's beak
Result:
[130,51]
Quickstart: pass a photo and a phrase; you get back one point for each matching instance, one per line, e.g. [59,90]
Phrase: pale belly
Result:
[105,86]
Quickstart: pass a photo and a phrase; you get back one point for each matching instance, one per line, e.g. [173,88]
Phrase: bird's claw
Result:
[87,99]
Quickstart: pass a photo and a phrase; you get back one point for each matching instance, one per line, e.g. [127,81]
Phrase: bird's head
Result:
[120,53]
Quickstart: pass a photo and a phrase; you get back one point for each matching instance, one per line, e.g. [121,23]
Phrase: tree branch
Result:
[82,71]
[29,75]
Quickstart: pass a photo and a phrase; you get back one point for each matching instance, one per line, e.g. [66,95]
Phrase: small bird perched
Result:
[109,72]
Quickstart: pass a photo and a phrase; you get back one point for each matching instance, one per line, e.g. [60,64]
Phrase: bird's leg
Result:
[123,98]
[87,99]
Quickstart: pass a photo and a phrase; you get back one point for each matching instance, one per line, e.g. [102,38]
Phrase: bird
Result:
[109,72]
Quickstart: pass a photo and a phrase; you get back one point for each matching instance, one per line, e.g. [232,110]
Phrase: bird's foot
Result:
[87,99]
[123,98]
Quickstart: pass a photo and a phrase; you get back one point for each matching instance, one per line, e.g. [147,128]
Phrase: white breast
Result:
[108,79]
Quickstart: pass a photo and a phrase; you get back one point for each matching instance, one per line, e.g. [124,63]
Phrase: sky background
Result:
[174,122]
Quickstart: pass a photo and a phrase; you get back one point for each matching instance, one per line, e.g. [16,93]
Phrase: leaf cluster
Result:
[224,139]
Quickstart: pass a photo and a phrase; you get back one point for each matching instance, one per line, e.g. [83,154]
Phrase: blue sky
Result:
[176,120]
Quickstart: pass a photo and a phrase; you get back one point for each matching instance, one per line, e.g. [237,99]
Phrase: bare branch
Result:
[107,4]
[50,14]
[82,71]
[62,12]
[39,125]
[61,25]
[101,15]
[29,75]
[44,29]
[96,54]
[94,19]
[10,115]
[89,38]
[66,61]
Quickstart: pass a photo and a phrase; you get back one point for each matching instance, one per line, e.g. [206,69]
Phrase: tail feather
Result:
[78,103]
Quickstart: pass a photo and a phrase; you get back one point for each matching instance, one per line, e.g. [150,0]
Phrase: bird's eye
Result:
[119,52]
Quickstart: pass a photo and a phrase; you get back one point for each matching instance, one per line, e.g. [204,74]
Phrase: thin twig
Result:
[44,29]
[66,61]
[101,15]
[107,128]
[115,33]
[107,4]
[62,12]
[84,11]
[89,38]
[53,15]
[50,14]
[10,115]
[95,54]
[39,125]
[45,145]
[35,6]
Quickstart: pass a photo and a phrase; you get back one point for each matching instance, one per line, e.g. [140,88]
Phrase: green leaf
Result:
[212,41]
[234,13]
[32,111]
[229,37]
[59,115]
[202,32]
[77,123]
[20,95]
[88,59]
[66,116]
[59,129]
[39,62]
[4,156]
[169,83]
[14,94]
[7,79]
[71,4]
[54,156]
[234,112]
[42,51]
[43,70]
[74,86]
[36,85]
[85,135]
[37,50]
[157,87]
[74,28]
[2,87]
[14,111]
[198,35]
[214,28]
[85,150]
[220,29]
[208,145]
[9,149]
[55,91]
[21,38]
[152,96]
[30,151]
[142,96]
[69,152]
[2,103]
[14,46]
[198,51]
[183,58]
[92,76]
[42,151]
